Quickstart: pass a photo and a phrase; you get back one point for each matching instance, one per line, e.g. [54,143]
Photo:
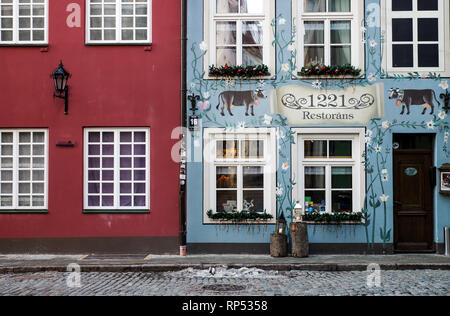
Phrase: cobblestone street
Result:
[229,282]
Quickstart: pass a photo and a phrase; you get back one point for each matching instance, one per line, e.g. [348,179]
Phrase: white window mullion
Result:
[15,169]
[119,21]
[116,191]
[16,21]
[327,41]
[239,43]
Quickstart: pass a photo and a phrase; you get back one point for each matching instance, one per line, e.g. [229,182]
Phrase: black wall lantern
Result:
[446,98]
[60,77]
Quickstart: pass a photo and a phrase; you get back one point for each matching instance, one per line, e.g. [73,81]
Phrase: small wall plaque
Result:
[444,179]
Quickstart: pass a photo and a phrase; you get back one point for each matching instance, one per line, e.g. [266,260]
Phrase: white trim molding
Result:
[299,162]
[210,21]
[443,42]
[262,156]
[118,19]
[24,169]
[24,23]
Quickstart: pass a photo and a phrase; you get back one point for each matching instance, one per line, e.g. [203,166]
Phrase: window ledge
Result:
[117,44]
[130,211]
[335,223]
[41,45]
[338,77]
[256,222]
[208,77]
[20,211]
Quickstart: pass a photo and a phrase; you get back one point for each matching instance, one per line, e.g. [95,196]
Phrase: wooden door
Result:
[414,182]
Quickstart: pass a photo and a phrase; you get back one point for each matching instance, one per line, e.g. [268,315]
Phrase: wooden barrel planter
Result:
[299,239]
[278,245]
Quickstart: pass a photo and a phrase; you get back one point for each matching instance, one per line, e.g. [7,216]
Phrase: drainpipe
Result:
[183,166]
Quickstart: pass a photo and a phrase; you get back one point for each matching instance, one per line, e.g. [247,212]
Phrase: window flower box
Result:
[346,71]
[240,217]
[333,218]
[246,72]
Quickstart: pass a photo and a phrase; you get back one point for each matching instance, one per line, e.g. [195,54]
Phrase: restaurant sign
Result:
[355,105]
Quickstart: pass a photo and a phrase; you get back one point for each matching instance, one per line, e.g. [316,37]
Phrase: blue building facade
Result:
[337,106]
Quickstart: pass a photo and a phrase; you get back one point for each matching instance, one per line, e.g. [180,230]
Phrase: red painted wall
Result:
[110,86]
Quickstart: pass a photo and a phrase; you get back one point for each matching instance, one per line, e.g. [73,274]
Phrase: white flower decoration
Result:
[444,84]
[285,166]
[317,84]
[386,124]
[373,43]
[203,46]
[280,134]
[384,198]
[193,85]
[240,125]
[378,149]
[372,77]
[442,115]
[384,171]
[385,178]
[267,119]
[291,48]
[430,125]
[282,21]
[206,95]
[285,67]
[279,191]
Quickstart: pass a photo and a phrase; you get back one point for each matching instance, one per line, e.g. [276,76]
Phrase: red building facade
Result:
[101,178]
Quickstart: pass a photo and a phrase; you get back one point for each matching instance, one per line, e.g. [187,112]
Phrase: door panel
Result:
[413,198]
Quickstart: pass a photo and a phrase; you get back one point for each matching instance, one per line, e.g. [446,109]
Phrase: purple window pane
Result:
[94,163]
[108,188]
[125,200]
[94,137]
[94,187]
[107,201]
[107,175]
[125,162]
[108,162]
[94,150]
[139,149]
[108,149]
[125,188]
[139,188]
[94,175]
[125,137]
[125,175]
[108,137]
[139,137]
[139,201]
[125,150]
[93,201]
[139,175]
[139,162]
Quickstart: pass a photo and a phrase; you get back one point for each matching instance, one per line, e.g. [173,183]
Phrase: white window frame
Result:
[444,38]
[16,168]
[211,17]
[356,135]
[356,16]
[16,29]
[117,169]
[118,28]
[269,162]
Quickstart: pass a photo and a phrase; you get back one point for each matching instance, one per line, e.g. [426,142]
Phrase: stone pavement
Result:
[158,263]
[228,282]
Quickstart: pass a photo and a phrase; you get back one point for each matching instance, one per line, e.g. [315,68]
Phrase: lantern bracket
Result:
[64,95]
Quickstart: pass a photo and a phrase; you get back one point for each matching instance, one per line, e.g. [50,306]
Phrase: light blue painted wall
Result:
[199,233]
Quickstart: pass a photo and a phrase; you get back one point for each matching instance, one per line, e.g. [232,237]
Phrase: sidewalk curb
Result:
[199,266]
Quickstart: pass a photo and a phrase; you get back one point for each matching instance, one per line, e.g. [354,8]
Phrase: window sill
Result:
[130,211]
[208,77]
[261,222]
[41,45]
[354,223]
[117,44]
[19,211]
[337,77]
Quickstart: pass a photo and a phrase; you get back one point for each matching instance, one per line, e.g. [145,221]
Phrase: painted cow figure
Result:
[406,98]
[248,99]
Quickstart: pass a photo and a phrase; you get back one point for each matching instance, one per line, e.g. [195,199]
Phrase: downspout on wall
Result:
[182,233]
